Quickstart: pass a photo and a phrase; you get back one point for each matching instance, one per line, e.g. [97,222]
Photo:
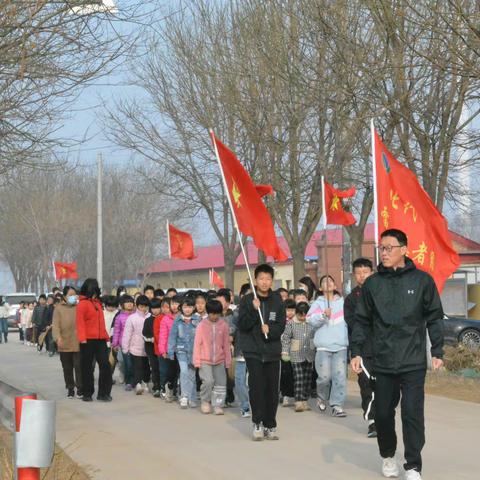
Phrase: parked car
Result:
[462,330]
[13,300]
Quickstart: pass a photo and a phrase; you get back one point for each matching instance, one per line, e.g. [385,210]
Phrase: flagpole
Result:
[235,222]
[375,196]
[54,271]
[325,243]
[168,240]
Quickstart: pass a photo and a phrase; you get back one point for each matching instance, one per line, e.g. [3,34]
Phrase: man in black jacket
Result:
[362,269]
[262,349]
[398,305]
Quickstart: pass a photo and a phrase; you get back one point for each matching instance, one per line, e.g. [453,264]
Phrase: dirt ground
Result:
[63,467]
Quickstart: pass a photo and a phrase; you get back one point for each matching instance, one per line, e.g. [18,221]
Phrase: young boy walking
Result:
[261,347]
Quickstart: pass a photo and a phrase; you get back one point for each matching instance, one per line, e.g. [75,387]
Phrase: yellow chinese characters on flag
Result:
[402,203]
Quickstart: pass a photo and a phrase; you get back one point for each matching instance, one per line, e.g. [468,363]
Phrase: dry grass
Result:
[460,357]
[62,468]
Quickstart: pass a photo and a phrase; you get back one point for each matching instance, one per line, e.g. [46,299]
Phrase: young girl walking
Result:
[331,342]
[180,343]
[212,355]
[133,343]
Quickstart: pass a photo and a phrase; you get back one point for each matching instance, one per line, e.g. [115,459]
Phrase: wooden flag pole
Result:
[235,223]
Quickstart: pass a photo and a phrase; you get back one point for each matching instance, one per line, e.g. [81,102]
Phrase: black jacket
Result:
[399,306]
[349,307]
[251,340]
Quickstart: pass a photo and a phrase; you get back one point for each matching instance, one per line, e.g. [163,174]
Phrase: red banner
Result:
[402,203]
[180,244]
[65,270]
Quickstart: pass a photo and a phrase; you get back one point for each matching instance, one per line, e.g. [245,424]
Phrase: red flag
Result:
[335,213]
[180,243]
[264,190]
[65,270]
[402,203]
[252,215]
[215,279]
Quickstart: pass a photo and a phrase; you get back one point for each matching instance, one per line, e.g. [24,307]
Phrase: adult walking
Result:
[398,305]
[93,338]
[4,312]
[64,332]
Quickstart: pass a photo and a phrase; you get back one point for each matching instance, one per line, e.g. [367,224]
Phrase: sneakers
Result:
[286,402]
[306,406]
[245,413]
[168,394]
[338,412]
[271,434]
[156,393]
[79,394]
[390,468]
[184,402]
[205,407]
[87,399]
[412,475]
[145,387]
[192,404]
[299,407]
[258,433]
[322,406]
[139,389]
[71,393]
[128,387]
[372,431]
[218,411]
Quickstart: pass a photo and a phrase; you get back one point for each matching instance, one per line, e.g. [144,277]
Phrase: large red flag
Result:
[335,213]
[180,244]
[65,270]
[252,215]
[402,203]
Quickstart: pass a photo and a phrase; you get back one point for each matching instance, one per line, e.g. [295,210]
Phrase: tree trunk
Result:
[229,269]
[298,258]
[356,242]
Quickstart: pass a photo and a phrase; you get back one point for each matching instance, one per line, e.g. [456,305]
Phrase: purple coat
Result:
[119,327]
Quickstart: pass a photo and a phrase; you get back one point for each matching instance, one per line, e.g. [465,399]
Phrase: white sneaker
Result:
[286,402]
[390,468]
[258,433]
[412,475]
[138,389]
[145,387]
[184,402]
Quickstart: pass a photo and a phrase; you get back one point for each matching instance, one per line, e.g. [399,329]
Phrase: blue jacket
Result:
[181,338]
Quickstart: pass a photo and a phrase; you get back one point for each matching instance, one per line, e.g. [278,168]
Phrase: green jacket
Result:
[398,307]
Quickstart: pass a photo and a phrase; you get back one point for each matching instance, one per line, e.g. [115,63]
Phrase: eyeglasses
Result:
[388,248]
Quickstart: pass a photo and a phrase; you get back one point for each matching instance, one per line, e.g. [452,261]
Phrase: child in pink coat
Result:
[212,355]
[168,368]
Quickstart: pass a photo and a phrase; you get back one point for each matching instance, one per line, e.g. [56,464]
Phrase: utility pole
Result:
[99,221]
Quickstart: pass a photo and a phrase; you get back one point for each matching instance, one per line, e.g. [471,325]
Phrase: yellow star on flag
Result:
[335,203]
[236,195]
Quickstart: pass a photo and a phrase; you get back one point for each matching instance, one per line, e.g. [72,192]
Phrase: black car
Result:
[462,330]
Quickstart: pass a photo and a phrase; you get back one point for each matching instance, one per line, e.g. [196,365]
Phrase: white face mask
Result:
[72,299]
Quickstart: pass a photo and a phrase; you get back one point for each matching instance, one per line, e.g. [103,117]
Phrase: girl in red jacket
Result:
[212,355]
[93,338]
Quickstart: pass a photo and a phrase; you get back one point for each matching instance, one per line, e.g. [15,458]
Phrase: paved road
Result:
[142,437]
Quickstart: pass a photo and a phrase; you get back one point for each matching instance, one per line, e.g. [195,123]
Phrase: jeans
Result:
[188,384]
[331,369]
[4,329]
[263,388]
[411,386]
[241,388]
[214,384]
[125,364]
